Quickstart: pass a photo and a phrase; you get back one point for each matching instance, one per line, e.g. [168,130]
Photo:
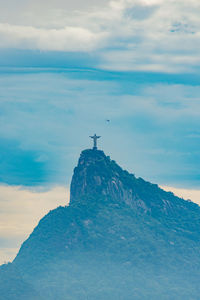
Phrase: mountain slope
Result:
[120,238]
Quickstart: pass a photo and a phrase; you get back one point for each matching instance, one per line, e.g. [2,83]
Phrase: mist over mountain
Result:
[120,238]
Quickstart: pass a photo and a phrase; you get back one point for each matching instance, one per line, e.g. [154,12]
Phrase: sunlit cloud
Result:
[65,39]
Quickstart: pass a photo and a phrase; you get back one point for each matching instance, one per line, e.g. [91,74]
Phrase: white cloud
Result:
[20,211]
[152,35]
[65,39]
[166,40]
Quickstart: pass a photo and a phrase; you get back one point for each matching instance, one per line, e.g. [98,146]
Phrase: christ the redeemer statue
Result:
[95,137]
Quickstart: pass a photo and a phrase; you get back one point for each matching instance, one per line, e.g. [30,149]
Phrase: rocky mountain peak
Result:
[91,175]
[97,175]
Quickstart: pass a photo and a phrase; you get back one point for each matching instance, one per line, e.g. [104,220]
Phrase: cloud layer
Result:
[156,35]
[64,39]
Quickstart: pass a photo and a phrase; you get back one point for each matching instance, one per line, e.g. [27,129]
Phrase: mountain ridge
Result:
[135,238]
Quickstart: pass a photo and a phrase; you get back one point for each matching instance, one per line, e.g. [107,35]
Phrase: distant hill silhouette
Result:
[120,238]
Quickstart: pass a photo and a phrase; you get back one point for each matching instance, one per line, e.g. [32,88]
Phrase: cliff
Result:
[98,176]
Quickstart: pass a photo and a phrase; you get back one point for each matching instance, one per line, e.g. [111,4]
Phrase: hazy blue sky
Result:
[66,67]
[47,116]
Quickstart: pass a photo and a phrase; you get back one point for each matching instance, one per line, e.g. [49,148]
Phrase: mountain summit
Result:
[120,238]
[100,177]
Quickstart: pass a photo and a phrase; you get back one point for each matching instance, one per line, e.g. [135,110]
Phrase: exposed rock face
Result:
[98,175]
